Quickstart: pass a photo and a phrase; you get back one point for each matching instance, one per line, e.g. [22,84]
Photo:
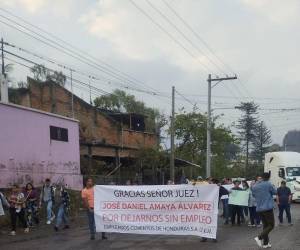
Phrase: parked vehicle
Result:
[284,166]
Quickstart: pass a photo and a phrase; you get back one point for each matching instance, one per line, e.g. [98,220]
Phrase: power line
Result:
[183,35]
[196,34]
[203,42]
[175,40]
[51,70]
[72,46]
[187,100]
[88,75]
[168,34]
[67,51]
[98,91]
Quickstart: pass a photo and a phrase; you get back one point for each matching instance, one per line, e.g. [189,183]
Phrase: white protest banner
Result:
[239,197]
[167,209]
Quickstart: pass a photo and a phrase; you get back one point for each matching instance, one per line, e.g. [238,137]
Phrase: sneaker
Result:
[26,230]
[258,241]
[12,233]
[291,224]
[48,222]
[259,225]
[267,246]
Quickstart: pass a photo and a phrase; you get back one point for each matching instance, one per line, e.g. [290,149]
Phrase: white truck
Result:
[284,166]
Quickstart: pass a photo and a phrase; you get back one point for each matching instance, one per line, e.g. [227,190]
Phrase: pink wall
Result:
[28,154]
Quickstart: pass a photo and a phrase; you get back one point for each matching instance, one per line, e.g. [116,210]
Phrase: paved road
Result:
[77,238]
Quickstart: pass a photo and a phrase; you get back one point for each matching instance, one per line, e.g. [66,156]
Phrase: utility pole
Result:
[172,156]
[208,140]
[208,147]
[72,95]
[90,90]
[3,81]
[2,57]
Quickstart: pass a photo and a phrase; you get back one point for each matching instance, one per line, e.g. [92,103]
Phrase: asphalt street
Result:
[77,238]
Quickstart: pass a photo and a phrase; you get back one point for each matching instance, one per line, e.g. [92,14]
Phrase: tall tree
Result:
[261,142]
[247,125]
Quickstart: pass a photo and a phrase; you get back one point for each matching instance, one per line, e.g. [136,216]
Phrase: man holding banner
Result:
[161,209]
[87,195]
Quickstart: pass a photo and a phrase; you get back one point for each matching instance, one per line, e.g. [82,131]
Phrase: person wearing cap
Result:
[284,199]
[263,192]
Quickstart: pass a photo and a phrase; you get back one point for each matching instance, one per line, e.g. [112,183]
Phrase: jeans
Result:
[61,216]
[225,209]
[32,213]
[268,221]
[49,209]
[92,225]
[254,216]
[287,209]
[13,217]
[236,211]
[91,220]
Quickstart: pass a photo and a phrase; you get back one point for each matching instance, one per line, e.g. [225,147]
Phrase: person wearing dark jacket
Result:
[63,203]
[284,199]
[224,197]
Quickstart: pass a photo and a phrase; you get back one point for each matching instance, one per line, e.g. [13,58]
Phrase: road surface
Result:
[77,238]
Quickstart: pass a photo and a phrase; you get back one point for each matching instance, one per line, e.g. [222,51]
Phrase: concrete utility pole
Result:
[72,95]
[2,57]
[90,89]
[3,81]
[172,156]
[208,147]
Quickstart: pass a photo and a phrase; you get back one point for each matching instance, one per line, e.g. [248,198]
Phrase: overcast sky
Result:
[256,39]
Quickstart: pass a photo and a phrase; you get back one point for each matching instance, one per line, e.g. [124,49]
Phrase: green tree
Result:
[247,125]
[120,101]
[42,74]
[190,132]
[261,142]
[57,77]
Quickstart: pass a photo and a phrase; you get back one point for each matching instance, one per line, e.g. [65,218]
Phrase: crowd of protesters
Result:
[25,203]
